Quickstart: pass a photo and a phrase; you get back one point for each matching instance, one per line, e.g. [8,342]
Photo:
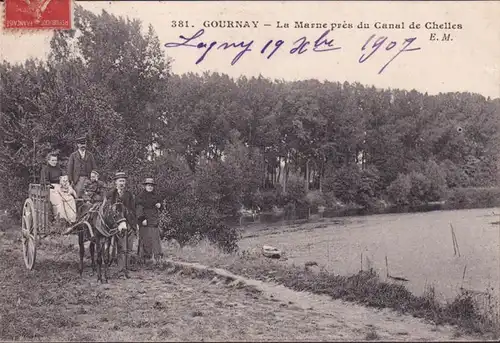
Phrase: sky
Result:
[469,62]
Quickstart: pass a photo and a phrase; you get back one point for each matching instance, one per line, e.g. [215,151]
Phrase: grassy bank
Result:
[365,287]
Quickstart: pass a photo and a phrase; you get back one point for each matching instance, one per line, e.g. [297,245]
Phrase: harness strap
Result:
[104,229]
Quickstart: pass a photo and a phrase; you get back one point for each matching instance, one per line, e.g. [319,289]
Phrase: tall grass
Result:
[471,312]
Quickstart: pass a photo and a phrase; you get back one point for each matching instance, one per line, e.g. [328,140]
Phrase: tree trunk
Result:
[307,177]
[279,170]
[264,172]
[285,178]
[320,176]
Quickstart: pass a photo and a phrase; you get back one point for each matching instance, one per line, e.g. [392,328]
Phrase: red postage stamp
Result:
[37,14]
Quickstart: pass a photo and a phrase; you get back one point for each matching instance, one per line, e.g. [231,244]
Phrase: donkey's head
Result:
[116,216]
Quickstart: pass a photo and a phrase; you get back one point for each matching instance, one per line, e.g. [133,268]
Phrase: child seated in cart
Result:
[62,197]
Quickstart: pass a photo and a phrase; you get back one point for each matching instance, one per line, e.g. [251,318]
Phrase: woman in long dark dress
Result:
[50,174]
[148,204]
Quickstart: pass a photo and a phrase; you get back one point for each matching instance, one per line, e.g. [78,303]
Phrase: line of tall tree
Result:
[215,143]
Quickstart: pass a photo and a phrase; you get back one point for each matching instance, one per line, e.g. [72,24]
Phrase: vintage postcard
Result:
[249,170]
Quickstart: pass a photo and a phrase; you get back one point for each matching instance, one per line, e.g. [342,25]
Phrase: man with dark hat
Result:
[148,206]
[125,242]
[80,165]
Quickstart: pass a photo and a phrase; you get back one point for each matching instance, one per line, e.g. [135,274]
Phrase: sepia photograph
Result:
[249,170]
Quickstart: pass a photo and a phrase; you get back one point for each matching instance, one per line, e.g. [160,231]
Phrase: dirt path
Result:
[53,303]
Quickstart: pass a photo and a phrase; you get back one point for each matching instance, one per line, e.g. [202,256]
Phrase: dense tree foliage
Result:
[215,143]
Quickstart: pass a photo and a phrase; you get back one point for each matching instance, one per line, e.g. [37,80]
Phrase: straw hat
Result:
[120,175]
[149,181]
[81,140]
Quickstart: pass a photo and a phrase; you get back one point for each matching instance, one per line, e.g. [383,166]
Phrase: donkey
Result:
[103,221]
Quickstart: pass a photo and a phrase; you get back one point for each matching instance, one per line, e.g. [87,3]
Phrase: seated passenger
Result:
[50,174]
[93,193]
[64,196]
[94,189]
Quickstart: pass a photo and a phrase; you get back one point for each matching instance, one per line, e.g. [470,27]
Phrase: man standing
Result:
[125,241]
[148,205]
[80,164]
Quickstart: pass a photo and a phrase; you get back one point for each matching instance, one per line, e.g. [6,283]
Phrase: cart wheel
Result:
[29,234]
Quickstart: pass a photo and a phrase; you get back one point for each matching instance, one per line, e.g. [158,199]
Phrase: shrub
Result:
[353,185]
[315,199]
[269,198]
[295,192]
[331,201]
[188,220]
[243,165]
[455,175]
[461,198]
[399,190]
[192,204]
[418,187]
[436,177]
[13,192]
[463,307]
[368,187]
[342,183]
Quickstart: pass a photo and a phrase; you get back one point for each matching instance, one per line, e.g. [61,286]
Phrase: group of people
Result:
[81,181]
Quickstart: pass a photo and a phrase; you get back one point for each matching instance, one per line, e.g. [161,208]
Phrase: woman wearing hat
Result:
[148,206]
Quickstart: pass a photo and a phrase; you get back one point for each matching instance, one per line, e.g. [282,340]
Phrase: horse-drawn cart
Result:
[36,223]
[99,223]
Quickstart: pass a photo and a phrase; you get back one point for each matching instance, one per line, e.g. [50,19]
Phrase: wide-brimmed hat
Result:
[120,175]
[149,181]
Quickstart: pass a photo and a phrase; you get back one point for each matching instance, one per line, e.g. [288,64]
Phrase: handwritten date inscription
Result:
[321,44]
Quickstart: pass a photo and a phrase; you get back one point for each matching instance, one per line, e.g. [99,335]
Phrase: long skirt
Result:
[149,241]
[63,204]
